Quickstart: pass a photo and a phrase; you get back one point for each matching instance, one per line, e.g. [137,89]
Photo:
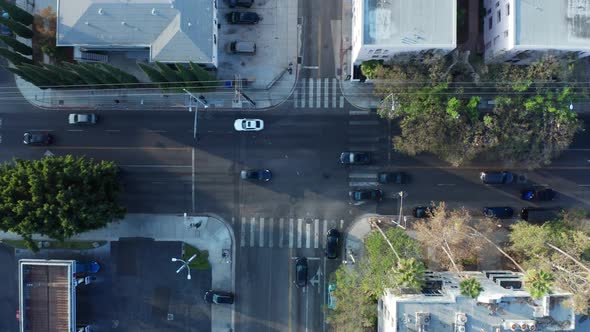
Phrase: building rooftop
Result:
[558,24]
[503,302]
[410,23]
[46,295]
[174,30]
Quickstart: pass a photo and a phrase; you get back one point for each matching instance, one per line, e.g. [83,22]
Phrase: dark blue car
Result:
[256,174]
[500,212]
[538,195]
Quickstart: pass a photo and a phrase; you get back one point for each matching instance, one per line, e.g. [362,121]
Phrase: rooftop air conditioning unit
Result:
[460,319]
[526,325]
[422,318]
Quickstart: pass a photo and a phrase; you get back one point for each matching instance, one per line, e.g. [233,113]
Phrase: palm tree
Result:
[538,283]
[409,274]
[470,287]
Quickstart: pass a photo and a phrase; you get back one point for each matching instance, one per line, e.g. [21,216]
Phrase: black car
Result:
[301,272]
[243,18]
[366,195]
[355,158]
[539,216]
[256,174]
[37,139]
[500,212]
[240,3]
[546,194]
[422,212]
[496,177]
[392,177]
[332,238]
[219,297]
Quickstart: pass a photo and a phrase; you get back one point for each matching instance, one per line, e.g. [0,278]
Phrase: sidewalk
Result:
[212,234]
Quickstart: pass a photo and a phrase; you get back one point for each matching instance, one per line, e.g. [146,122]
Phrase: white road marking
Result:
[584,185]
[193,180]
[363,123]
[310,67]
[261,230]
[113,130]
[301,91]
[270,235]
[291,233]
[281,224]
[296,98]
[334,83]
[445,184]
[307,235]
[252,228]
[316,235]
[310,92]
[324,235]
[75,130]
[156,131]
[318,97]
[326,89]
[233,220]
[299,233]
[362,184]
[0,122]
[359,112]
[341,101]
[243,233]
[39,130]
[341,224]
[157,166]
[363,175]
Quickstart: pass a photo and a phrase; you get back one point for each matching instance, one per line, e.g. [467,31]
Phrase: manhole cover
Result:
[170,316]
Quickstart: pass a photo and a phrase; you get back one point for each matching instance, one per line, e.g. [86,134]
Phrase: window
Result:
[507,9]
[499,16]
[375,57]
[378,51]
[505,33]
[215,39]
[489,11]
[496,40]
[371,51]
[490,20]
[497,4]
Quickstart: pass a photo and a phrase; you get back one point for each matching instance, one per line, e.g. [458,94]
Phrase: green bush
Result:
[201,262]
[368,68]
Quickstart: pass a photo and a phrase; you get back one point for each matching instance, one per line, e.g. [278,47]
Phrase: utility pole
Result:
[190,109]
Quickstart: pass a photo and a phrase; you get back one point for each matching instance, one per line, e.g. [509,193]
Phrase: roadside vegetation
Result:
[58,197]
[67,245]
[201,262]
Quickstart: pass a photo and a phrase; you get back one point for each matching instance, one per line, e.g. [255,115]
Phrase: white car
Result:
[75,119]
[249,124]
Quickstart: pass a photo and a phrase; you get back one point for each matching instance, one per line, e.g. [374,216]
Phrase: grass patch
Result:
[201,262]
[68,245]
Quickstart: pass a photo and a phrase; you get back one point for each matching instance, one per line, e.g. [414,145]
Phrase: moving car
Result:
[37,138]
[81,119]
[332,238]
[422,212]
[366,195]
[500,212]
[243,18]
[218,297]
[539,215]
[496,177]
[248,124]
[355,158]
[546,194]
[240,3]
[256,174]
[392,177]
[301,272]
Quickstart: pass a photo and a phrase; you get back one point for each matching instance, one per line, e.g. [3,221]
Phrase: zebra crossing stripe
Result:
[324,233]
[270,237]
[316,235]
[318,97]
[281,225]
[341,223]
[307,235]
[299,234]
[291,233]
[326,89]
[261,230]
[296,98]
[301,93]
[341,101]
[334,82]
[243,233]
[310,95]
[252,228]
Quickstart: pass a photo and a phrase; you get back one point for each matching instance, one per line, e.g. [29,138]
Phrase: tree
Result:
[121,75]
[17,28]
[58,197]
[538,283]
[33,79]
[368,68]
[409,275]
[64,74]
[206,80]
[16,13]
[14,57]
[154,75]
[85,75]
[16,45]
[170,74]
[470,287]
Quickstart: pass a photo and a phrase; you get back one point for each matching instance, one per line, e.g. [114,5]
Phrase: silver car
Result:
[82,119]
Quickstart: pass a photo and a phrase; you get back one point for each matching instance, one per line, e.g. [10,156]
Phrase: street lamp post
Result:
[190,109]
[185,265]
[401,204]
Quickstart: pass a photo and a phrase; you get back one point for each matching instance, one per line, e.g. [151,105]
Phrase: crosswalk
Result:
[259,232]
[318,93]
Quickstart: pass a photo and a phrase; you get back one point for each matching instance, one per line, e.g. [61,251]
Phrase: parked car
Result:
[82,119]
[243,18]
[539,215]
[332,239]
[422,212]
[256,174]
[496,177]
[242,47]
[546,194]
[248,124]
[37,138]
[331,297]
[87,267]
[360,195]
[240,3]
[301,272]
[355,158]
[218,297]
[392,177]
[500,212]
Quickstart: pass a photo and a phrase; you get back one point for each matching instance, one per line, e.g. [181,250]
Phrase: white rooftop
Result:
[174,30]
[558,24]
[410,23]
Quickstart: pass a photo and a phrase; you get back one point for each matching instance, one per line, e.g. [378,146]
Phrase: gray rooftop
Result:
[410,23]
[558,24]
[174,30]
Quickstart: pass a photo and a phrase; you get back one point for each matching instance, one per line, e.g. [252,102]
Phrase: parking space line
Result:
[316,235]
[362,183]
[326,89]
[307,235]
[310,94]
[252,228]
[281,225]
[243,233]
[291,233]
[296,98]
[299,233]
[261,230]
[270,228]
[318,97]
[334,82]
[341,101]
[324,233]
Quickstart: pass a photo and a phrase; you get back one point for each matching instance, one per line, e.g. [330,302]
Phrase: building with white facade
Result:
[520,31]
[158,30]
[382,28]
[504,305]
